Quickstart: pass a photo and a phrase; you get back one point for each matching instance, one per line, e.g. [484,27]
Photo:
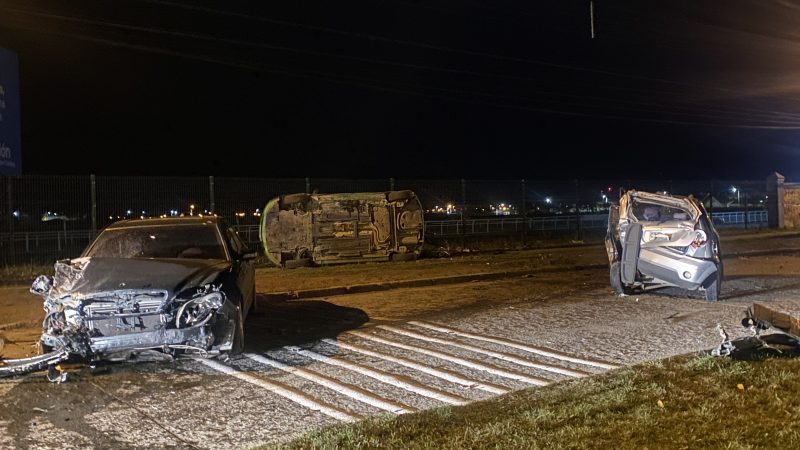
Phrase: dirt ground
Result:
[554,298]
[522,276]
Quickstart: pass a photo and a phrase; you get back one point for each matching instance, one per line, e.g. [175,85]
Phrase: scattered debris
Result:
[757,346]
[659,240]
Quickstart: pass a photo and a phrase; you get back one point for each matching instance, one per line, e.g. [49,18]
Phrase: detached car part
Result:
[172,285]
[659,240]
[757,346]
[305,229]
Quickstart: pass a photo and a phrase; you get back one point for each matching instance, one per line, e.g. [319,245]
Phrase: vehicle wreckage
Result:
[176,286]
[659,240]
[759,318]
[318,229]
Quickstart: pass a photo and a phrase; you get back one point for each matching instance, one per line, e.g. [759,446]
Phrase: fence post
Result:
[578,232]
[93,194]
[746,213]
[308,185]
[711,198]
[12,254]
[524,213]
[391,184]
[463,210]
[211,194]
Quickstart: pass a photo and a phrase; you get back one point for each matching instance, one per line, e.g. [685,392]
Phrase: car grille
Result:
[122,312]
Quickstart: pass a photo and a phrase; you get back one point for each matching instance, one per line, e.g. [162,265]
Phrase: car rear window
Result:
[195,241]
[650,212]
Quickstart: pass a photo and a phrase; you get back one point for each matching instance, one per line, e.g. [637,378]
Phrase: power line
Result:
[689,112]
[428,46]
[365,83]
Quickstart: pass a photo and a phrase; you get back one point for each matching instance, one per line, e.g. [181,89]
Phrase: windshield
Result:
[196,241]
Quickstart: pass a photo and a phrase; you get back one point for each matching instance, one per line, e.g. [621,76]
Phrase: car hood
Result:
[85,276]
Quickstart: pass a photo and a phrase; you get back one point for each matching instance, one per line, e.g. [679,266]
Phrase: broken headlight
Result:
[198,311]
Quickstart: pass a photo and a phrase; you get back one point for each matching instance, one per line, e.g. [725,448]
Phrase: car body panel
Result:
[99,306]
[340,228]
[663,240]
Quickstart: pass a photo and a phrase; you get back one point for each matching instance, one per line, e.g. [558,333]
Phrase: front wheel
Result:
[238,333]
[402,257]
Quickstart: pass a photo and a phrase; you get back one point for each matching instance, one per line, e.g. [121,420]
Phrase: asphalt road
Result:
[316,362]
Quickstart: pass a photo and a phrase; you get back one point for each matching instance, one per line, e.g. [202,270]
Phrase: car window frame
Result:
[220,236]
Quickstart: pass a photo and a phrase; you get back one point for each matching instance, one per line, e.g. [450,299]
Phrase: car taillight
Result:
[699,239]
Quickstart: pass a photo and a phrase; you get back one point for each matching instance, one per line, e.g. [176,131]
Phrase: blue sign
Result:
[10,142]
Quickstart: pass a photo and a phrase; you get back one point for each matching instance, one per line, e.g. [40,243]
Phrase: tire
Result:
[402,257]
[254,304]
[616,281]
[712,286]
[291,199]
[396,196]
[238,333]
[295,263]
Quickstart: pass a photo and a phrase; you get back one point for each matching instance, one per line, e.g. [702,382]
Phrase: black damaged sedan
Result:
[176,285]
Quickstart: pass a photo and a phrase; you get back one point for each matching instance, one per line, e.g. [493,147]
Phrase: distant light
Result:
[15,213]
[548,200]
[733,189]
[129,212]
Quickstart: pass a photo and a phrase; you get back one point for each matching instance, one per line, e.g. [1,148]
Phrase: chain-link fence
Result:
[50,217]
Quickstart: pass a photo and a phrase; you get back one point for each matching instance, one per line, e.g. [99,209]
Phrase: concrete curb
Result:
[458,279]
[389,285]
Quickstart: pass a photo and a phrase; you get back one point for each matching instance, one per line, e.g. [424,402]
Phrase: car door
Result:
[243,267]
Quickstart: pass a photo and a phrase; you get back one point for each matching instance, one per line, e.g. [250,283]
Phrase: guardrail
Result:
[46,246]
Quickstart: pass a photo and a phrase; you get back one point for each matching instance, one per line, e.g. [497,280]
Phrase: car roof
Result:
[190,220]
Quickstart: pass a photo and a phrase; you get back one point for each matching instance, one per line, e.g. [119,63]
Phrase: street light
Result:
[737,192]
[548,200]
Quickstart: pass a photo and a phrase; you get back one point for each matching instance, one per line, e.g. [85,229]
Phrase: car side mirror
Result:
[42,285]
[249,256]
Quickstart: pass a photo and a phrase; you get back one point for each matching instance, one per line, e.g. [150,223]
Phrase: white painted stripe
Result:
[454,359]
[384,377]
[498,355]
[283,391]
[518,345]
[360,395]
[438,373]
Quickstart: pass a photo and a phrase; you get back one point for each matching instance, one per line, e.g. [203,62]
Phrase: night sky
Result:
[417,88]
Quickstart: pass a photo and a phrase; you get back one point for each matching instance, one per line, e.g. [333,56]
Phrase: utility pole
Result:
[591,17]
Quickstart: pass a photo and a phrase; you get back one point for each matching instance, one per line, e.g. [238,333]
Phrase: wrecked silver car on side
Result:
[178,285]
[659,240]
[317,229]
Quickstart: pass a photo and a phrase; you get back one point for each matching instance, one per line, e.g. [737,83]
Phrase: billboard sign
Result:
[10,142]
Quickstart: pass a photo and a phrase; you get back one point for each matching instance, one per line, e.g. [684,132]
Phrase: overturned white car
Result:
[659,240]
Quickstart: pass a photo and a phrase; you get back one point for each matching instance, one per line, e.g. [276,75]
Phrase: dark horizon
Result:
[408,89]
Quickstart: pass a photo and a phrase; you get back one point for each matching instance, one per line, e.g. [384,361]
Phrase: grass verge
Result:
[23,273]
[683,402]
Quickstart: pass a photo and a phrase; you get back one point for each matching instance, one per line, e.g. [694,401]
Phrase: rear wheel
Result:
[396,196]
[616,281]
[295,263]
[712,286]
